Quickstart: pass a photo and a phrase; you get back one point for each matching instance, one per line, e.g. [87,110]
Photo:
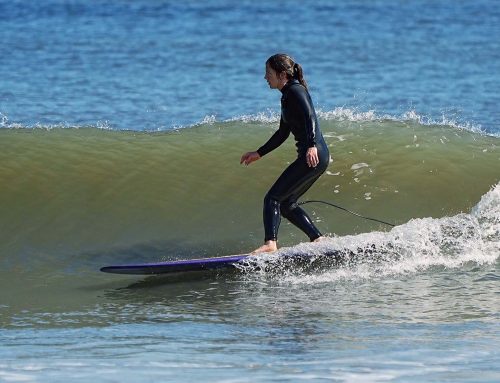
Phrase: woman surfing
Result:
[299,118]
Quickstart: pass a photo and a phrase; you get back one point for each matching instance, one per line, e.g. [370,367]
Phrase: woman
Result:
[299,118]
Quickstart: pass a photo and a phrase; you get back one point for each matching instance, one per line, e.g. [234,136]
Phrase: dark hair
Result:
[281,62]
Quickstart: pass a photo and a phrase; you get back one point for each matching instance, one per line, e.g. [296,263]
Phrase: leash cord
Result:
[347,210]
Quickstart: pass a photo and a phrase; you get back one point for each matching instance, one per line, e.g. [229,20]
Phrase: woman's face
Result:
[274,79]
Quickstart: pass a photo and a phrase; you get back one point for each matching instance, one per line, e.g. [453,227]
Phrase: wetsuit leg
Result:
[297,216]
[283,195]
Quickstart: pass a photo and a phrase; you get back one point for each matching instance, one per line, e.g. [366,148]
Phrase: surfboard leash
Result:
[347,210]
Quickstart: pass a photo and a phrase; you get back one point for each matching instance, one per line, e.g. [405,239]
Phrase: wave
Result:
[82,191]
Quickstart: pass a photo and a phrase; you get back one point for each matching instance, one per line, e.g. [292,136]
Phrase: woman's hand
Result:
[312,157]
[249,157]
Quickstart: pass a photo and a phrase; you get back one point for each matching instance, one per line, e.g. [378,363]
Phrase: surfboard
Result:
[182,265]
[227,262]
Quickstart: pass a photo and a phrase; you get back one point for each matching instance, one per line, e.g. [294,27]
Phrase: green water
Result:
[80,190]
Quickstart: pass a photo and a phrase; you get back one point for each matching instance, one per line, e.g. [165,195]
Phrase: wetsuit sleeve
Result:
[305,116]
[276,139]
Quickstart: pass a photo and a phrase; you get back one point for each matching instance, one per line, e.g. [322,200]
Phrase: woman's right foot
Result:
[319,239]
[268,247]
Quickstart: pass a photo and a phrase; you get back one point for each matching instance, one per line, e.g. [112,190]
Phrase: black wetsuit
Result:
[299,118]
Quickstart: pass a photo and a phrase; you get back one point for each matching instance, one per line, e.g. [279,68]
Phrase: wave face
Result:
[71,191]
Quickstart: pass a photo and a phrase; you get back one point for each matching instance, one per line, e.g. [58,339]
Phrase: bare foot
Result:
[268,247]
[319,239]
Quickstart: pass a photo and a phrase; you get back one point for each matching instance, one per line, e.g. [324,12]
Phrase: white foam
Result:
[353,115]
[347,114]
[414,247]
[487,213]
[267,117]
[208,120]
[102,125]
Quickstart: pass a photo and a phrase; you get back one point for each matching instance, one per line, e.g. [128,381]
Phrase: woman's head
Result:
[283,67]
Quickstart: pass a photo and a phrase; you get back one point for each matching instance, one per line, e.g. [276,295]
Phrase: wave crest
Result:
[270,116]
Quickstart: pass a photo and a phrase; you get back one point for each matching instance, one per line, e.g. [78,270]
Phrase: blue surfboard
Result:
[240,261]
[183,265]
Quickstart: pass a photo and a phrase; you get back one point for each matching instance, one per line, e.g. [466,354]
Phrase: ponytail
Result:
[283,63]
[299,75]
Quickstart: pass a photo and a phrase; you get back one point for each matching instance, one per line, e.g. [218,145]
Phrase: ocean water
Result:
[121,128]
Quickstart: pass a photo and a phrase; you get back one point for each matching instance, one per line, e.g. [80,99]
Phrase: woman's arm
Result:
[276,139]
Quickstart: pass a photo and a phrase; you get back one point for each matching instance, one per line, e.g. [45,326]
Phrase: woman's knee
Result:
[287,208]
[271,200]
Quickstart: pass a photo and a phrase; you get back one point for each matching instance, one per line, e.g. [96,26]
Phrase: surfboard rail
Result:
[182,265]
[268,261]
